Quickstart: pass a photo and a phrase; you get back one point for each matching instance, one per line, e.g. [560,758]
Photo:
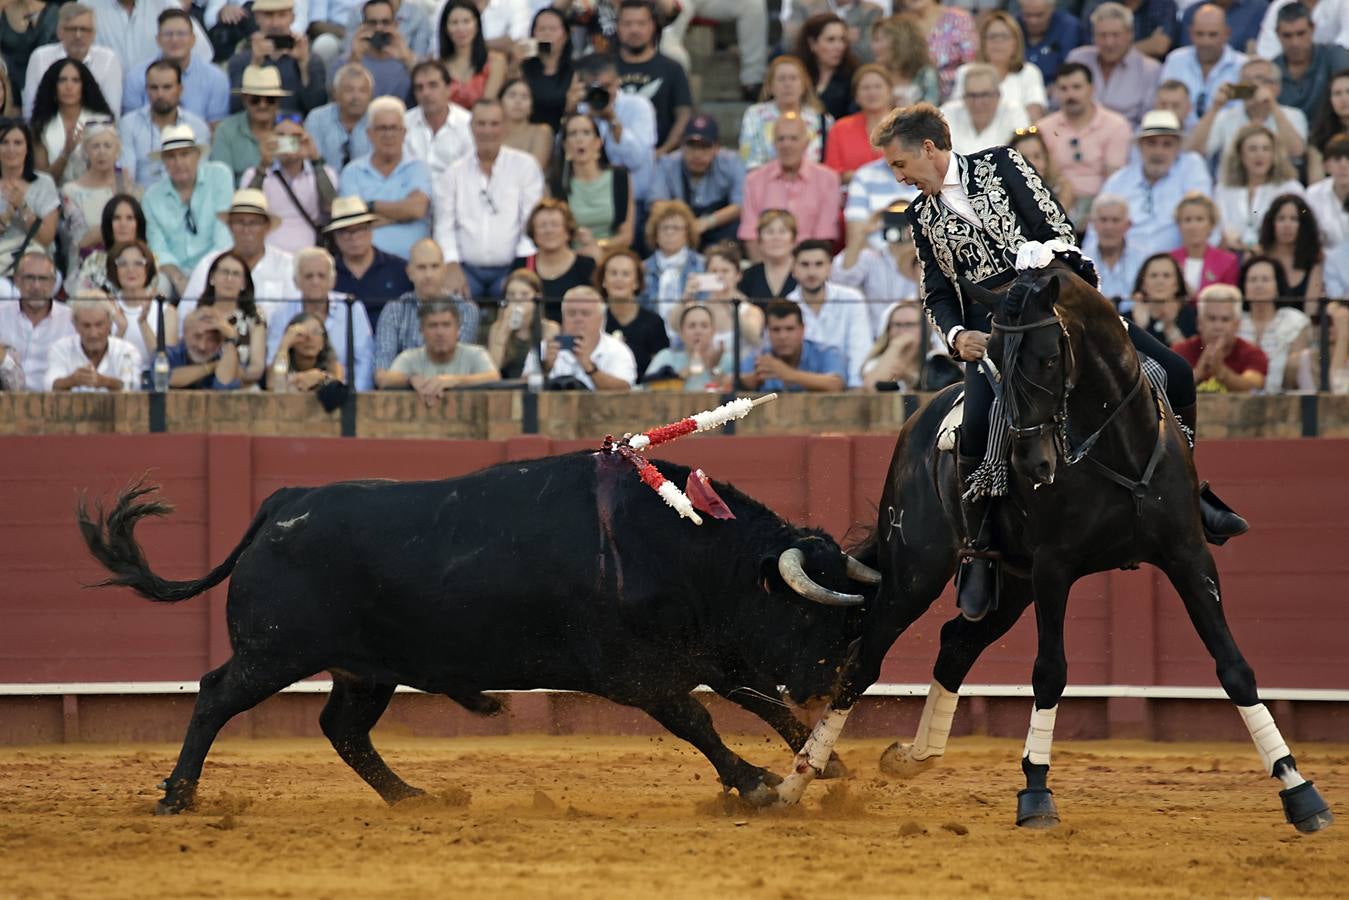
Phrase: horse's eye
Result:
[1051,362]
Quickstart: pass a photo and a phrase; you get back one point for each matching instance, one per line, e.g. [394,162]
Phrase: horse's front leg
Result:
[1035,803]
[1195,577]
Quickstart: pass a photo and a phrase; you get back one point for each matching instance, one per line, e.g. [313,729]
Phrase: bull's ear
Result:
[769,579]
[985,298]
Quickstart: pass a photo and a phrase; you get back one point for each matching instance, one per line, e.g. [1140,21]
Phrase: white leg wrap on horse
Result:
[1041,735]
[1266,736]
[813,757]
[934,727]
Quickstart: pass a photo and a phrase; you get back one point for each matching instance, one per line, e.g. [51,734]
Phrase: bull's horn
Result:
[860,571]
[790,568]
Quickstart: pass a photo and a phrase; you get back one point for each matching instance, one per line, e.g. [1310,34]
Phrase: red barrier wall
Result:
[1282,583]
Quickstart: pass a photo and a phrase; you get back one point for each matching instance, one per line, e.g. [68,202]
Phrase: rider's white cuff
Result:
[951,338]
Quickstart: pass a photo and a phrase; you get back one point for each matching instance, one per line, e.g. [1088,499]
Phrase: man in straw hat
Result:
[180,208]
[303,74]
[249,221]
[238,139]
[362,269]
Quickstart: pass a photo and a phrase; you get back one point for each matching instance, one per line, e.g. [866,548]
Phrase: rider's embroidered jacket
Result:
[1014,207]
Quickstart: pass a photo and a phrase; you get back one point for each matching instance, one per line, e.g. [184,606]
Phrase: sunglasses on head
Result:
[289,117]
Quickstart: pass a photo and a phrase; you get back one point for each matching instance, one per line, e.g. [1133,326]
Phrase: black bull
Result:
[564,573]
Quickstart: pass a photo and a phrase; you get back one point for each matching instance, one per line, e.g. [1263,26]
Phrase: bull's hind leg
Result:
[225,692]
[352,710]
[1195,578]
[962,642]
[686,718]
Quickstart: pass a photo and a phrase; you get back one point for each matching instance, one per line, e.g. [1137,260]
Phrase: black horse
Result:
[1103,479]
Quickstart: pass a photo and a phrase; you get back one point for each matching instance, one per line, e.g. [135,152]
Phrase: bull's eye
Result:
[1050,362]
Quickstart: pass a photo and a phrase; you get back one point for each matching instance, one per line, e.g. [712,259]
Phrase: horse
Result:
[1103,478]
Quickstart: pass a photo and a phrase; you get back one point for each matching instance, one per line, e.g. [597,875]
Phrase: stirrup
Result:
[978,582]
[1221,522]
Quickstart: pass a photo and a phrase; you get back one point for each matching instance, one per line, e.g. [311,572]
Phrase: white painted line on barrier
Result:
[1087,691]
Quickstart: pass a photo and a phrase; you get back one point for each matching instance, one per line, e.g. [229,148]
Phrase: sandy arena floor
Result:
[643,817]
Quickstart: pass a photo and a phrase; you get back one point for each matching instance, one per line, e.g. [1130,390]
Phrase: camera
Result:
[380,39]
[566,341]
[287,143]
[283,41]
[894,225]
[1243,90]
[597,96]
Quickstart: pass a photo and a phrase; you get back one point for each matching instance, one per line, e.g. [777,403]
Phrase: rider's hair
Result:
[911,126]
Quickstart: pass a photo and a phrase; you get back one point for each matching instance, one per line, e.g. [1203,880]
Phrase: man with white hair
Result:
[1223,363]
[395,187]
[1117,263]
[583,351]
[981,118]
[339,127]
[33,325]
[1126,80]
[75,35]
[93,359]
[316,279]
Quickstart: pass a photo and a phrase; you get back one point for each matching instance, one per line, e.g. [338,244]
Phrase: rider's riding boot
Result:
[978,576]
[1220,522]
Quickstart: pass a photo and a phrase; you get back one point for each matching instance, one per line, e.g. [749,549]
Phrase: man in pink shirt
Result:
[1087,141]
[808,190]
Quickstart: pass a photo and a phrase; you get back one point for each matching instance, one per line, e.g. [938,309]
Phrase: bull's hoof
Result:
[1035,808]
[407,792]
[835,768]
[177,797]
[165,808]
[897,761]
[1305,808]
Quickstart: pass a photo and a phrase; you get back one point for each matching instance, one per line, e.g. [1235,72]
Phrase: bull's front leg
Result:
[811,762]
[685,717]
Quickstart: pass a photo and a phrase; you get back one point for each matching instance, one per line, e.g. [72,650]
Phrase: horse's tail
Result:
[111,540]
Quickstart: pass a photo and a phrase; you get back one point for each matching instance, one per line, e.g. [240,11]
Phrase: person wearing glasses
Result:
[239,138]
[277,45]
[75,36]
[298,186]
[1003,46]
[32,326]
[131,277]
[982,118]
[339,127]
[140,128]
[180,208]
[1086,141]
[205,89]
[363,270]
[395,187]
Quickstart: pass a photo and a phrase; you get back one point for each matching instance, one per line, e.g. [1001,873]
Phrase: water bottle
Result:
[161,372]
[534,381]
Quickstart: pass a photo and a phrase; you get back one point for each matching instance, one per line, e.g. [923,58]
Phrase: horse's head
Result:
[1031,347]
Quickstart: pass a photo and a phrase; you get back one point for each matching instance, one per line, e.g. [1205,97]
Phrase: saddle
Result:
[949,428]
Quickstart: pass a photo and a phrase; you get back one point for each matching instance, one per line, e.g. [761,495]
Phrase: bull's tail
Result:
[111,540]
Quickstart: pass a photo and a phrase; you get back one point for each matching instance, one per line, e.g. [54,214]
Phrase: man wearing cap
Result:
[238,139]
[339,127]
[363,270]
[250,221]
[205,89]
[395,187]
[299,187]
[140,129]
[302,73]
[75,35]
[180,208]
[1154,183]
[710,179]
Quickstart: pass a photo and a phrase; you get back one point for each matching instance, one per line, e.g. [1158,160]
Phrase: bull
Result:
[564,573]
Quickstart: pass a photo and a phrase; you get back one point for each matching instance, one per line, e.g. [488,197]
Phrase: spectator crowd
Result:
[428,195]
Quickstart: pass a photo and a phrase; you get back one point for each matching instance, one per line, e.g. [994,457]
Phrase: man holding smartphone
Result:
[583,351]
[275,44]
[1258,92]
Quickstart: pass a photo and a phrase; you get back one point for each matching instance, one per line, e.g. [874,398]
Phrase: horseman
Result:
[972,217]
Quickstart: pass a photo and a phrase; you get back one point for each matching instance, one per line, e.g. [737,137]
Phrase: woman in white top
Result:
[786,88]
[703,362]
[67,100]
[131,273]
[83,198]
[1255,169]
[1002,46]
[30,206]
[1283,334]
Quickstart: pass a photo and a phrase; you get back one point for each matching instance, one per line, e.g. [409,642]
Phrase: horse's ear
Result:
[985,298]
[1050,292]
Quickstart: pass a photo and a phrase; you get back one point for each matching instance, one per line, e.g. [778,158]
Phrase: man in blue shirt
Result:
[1050,34]
[1156,24]
[709,179]
[339,128]
[205,89]
[792,363]
[1243,21]
[379,45]
[140,129]
[1306,66]
[208,357]
[1207,63]
[395,187]
[1117,262]
[363,271]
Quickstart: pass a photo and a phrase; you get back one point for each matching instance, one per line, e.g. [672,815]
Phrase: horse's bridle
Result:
[1058,425]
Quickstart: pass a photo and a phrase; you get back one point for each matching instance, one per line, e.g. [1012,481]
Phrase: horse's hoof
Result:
[1306,809]
[1035,808]
[897,761]
[761,796]
[835,768]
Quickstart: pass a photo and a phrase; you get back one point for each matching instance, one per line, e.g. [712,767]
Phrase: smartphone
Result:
[706,282]
[1243,90]
[895,225]
[566,341]
[529,47]
[287,143]
[283,41]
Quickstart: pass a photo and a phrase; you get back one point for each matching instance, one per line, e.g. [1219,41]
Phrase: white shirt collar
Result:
[952,178]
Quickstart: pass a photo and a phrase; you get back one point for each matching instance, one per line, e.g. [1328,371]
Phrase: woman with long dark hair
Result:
[549,70]
[30,207]
[1290,234]
[522,132]
[1284,334]
[475,71]
[122,222]
[823,46]
[1331,119]
[68,98]
[305,360]
[229,288]
[598,194]
[1161,306]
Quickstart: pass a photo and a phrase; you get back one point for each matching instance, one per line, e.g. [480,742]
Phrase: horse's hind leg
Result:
[962,642]
[352,710]
[1196,580]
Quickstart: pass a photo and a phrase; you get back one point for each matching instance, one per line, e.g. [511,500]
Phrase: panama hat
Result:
[1159,123]
[250,201]
[348,211]
[273,5]
[262,81]
[178,137]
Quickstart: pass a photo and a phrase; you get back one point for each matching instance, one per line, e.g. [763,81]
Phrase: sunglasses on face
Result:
[255,100]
